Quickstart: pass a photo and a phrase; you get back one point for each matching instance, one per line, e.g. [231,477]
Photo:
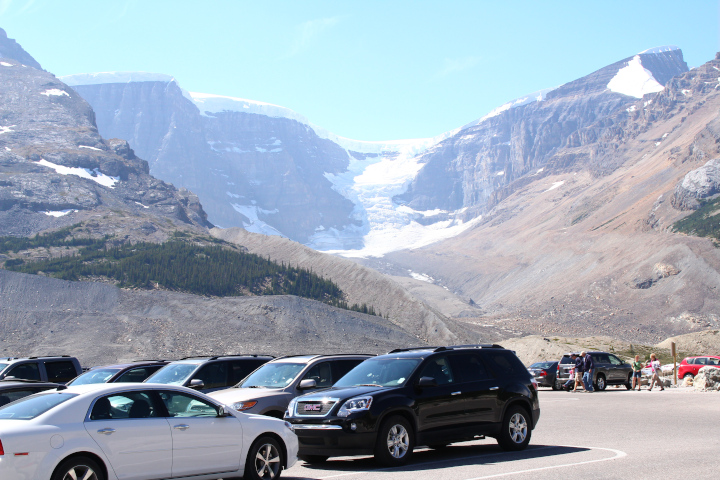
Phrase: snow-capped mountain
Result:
[270,170]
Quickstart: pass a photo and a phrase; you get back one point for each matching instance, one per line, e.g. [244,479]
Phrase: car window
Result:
[273,375]
[342,367]
[97,375]
[321,373]
[139,374]
[690,361]
[60,372]
[504,363]
[33,406]
[615,360]
[600,358]
[186,405]
[439,369]
[124,405]
[469,367]
[213,375]
[701,361]
[28,371]
[240,369]
[173,374]
[713,361]
[566,360]
[12,395]
[542,365]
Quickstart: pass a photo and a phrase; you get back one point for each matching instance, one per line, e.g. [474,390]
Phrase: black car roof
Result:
[422,352]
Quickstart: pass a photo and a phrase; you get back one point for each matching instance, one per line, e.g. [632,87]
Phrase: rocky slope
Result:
[591,248]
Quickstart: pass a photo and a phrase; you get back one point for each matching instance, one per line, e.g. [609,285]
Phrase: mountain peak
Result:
[9,48]
[115,77]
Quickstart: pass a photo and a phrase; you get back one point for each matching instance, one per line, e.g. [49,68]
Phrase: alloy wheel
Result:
[267,461]
[398,441]
[80,472]
[518,428]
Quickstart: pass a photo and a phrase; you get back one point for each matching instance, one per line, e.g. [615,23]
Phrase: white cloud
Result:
[308,31]
[452,66]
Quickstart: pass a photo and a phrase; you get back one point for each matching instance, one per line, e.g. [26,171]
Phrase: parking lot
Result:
[611,434]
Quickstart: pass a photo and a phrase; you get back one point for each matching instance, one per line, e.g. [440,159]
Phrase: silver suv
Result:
[269,389]
[608,370]
[56,369]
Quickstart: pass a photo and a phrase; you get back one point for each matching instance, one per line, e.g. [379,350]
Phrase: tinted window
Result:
[542,365]
[566,360]
[273,375]
[12,395]
[185,405]
[386,372]
[439,369]
[124,405]
[28,371]
[60,372]
[600,358]
[505,363]
[321,373]
[701,361]
[30,407]
[690,361]
[713,361]
[240,369]
[97,375]
[173,374]
[213,375]
[469,368]
[615,360]
[342,367]
[137,375]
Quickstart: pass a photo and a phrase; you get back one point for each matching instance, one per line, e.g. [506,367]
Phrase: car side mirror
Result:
[425,382]
[196,383]
[222,412]
[307,384]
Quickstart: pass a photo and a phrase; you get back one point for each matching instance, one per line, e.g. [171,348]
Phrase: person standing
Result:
[655,366]
[579,369]
[637,367]
[588,367]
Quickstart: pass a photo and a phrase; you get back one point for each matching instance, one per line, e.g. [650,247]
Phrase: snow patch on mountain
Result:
[634,80]
[662,49]
[254,224]
[538,96]
[95,175]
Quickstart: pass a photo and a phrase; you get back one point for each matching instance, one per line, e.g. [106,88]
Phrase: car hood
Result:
[231,395]
[343,393]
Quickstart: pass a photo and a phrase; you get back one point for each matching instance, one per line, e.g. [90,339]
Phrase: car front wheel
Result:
[394,445]
[264,461]
[78,468]
[516,431]
[689,375]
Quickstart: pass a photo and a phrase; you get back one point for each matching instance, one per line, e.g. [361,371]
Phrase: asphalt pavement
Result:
[615,434]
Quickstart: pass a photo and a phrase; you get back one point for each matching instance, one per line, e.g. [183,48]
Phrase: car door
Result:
[25,371]
[439,408]
[699,363]
[617,369]
[133,434]
[479,390]
[203,443]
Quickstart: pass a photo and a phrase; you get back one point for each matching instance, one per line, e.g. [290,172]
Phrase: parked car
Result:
[545,373]
[269,389]
[134,372]
[609,370]
[207,374]
[11,390]
[690,366]
[58,369]
[391,403]
[138,431]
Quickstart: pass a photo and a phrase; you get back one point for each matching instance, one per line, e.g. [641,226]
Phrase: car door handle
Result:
[455,393]
[181,427]
[494,388]
[106,431]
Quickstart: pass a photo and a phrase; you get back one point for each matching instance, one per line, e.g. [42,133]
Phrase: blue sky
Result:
[368,70]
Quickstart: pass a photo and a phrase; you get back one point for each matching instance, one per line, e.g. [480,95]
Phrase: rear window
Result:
[566,360]
[33,406]
[60,372]
[505,363]
[99,375]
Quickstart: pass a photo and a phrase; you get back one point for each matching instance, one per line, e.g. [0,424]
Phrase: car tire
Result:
[554,387]
[689,375]
[78,467]
[628,385]
[395,442]
[264,460]
[515,431]
[313,459]
[600,383]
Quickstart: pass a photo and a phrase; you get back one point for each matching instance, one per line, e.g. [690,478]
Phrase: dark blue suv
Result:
[429,396]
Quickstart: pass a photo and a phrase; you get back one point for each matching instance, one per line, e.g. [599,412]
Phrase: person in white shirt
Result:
[655,366]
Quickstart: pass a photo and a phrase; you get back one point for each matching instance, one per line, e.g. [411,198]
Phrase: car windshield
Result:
[3,365]
[383,372]
[173,374]
[30,407]
[272,375]
[542,365]
[97,375]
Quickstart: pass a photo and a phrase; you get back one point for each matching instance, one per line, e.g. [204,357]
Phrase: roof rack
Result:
[215,357]
[398,350]
[48,356]
[150,360]
[9,358]
[325,355]
[479,345]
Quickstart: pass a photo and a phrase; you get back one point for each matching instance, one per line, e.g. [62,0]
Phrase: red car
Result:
[689,366]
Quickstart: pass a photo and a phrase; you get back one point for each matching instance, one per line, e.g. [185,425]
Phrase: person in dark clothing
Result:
[579,369]
[588,367]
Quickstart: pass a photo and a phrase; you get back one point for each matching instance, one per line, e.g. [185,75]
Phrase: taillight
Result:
[543,373]
[534,384]
[2,452]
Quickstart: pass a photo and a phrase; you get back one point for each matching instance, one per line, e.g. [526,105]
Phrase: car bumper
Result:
[333,441]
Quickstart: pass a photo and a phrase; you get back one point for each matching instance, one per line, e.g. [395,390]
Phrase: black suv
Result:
[424,396]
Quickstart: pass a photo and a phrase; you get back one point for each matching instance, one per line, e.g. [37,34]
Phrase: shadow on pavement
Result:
[458,455]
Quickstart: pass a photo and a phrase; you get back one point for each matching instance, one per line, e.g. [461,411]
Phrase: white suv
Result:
[269,389]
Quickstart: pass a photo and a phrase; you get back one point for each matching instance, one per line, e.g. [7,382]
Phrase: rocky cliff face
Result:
[55,169]
[9,48]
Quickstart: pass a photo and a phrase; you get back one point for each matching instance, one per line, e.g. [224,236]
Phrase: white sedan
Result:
[140,431]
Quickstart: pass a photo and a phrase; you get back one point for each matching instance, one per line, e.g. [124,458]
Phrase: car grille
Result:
[314,408]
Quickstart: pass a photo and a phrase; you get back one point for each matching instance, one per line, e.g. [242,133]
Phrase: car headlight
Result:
[355,405]
[291,408]
[246,405]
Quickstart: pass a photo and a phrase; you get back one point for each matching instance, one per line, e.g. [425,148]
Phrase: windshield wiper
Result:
[368,385]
